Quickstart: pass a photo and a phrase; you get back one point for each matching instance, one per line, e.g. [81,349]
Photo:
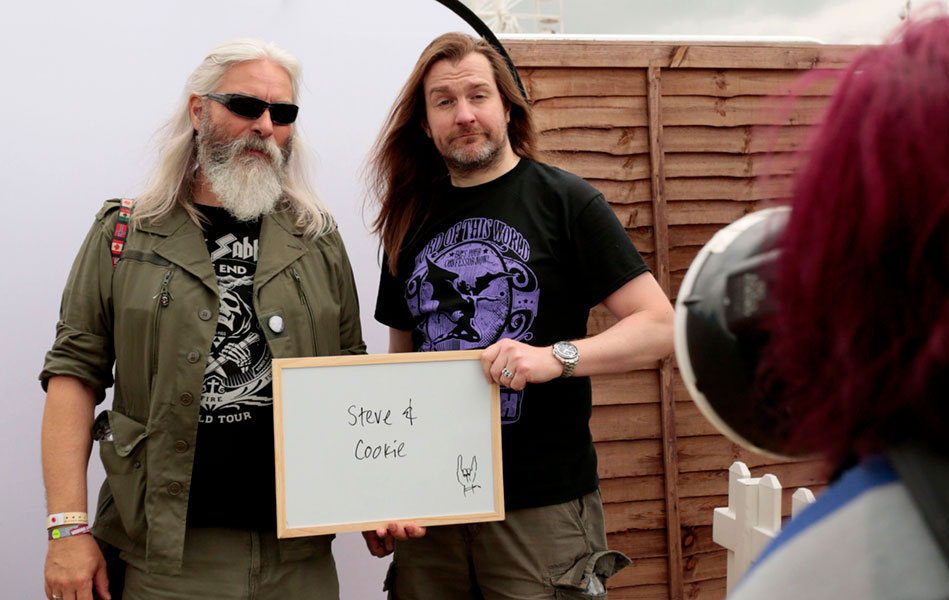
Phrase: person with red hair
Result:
[860,338]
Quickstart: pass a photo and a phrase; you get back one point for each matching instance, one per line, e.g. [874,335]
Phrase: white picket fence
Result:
[752,518]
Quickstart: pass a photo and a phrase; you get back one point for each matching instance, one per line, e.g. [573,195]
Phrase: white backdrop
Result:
[86,86]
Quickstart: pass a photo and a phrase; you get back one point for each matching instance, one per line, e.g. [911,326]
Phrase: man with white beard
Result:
[226,260]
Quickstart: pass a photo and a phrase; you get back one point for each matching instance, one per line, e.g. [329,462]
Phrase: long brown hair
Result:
[405,166]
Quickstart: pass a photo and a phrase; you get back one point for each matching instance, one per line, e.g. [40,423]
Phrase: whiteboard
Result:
[364,440]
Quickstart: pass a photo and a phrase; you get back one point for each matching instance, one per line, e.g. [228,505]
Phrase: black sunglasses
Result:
[281,113]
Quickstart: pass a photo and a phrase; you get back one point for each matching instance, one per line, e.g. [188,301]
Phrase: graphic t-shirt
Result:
[233,479]
[525,257]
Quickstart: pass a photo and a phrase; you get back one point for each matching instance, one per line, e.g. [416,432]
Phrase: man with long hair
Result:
[859,351]
[487,248]
[227,260]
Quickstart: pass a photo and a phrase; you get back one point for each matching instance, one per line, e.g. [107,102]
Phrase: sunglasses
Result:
[281,113]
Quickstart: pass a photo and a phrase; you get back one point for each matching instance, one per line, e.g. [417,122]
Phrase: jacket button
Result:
[181,446]
[186,399]
[194,356]
[204,314]
[174,488]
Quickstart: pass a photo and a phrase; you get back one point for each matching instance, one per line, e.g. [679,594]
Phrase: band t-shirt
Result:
[233,479]
[525,257]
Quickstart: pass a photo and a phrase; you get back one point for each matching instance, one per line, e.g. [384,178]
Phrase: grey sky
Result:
[831,21]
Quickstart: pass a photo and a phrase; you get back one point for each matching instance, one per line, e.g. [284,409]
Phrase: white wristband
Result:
[66,518]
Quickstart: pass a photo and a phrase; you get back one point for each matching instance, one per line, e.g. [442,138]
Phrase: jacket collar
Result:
[183,245]
[280,242]
[178,217]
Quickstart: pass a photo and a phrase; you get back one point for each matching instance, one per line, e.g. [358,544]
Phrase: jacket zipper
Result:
[306,305]
[162,299]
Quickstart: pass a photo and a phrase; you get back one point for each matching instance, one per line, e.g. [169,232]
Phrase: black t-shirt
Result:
[233,480]
[524,256]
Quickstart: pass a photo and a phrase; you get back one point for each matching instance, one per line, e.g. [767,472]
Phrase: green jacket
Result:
[160,351]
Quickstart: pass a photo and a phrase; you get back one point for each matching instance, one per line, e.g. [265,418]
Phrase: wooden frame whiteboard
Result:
[364,440]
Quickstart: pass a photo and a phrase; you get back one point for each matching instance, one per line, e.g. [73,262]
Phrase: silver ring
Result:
[507,373]
[57,598]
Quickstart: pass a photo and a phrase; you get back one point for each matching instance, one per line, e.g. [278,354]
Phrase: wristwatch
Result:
[566,353]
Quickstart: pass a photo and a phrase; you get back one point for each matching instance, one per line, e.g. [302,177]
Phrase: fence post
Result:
[768,519]
[729,527]
[801,499]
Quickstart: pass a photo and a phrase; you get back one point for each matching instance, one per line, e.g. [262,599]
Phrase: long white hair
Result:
[171,181]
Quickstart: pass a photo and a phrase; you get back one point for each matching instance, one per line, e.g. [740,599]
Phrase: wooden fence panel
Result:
[629,458]
[632,489]
[612,140]
[641,386]
[687,55]
[641,592]
[727,83]
[681,139]
[625,422]
[743,139]
[548,83]
[741,110]
[650,543]
[596,115]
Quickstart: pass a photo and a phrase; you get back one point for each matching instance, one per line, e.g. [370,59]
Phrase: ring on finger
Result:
[507,373]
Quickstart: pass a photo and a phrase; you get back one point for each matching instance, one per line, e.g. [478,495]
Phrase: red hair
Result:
[861,338]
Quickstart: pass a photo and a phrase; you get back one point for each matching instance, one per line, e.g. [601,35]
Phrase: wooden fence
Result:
[677,137]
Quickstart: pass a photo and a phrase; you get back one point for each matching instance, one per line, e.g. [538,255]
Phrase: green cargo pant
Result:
[234,564]
[550,552]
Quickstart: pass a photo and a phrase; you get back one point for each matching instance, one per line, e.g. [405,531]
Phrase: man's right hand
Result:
[73,565]
[378,545]
[381,542]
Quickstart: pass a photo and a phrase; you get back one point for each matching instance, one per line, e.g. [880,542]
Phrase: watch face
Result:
[566,350]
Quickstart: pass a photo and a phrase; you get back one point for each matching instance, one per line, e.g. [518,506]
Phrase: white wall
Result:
[85,87]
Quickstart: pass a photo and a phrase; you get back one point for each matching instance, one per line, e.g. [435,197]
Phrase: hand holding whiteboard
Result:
[361,441]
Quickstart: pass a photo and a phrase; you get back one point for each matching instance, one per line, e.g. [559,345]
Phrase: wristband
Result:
[62,531]
[67,518]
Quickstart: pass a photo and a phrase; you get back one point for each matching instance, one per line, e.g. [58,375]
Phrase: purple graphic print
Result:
[471,287]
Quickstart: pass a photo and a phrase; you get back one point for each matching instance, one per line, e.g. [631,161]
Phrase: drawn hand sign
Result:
[466,476]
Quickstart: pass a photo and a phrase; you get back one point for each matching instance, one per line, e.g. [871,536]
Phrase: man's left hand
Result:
[515,364]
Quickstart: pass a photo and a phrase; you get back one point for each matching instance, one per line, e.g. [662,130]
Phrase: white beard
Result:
[247,185]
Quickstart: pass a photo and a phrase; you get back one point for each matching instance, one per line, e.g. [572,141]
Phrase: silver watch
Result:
[567,353]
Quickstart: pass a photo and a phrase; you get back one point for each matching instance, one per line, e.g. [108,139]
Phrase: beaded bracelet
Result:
[67,518]
[62,531]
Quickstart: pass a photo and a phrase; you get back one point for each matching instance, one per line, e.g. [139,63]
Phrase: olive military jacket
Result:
[154,317]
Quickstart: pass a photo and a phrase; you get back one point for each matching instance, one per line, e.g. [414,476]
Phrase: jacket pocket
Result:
[123,457]
[306,307]
[162,300]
